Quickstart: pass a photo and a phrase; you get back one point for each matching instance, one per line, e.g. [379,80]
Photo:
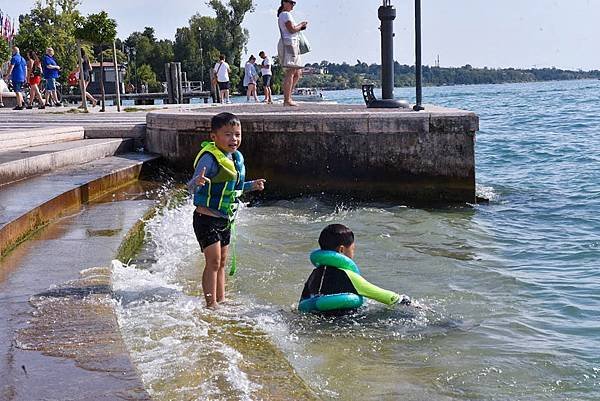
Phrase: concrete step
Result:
[10,140]
[32,203]
[18,164]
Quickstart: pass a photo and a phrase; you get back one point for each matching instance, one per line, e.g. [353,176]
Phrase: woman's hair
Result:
[280,9]
[335,235]
[252,57]
[33,55]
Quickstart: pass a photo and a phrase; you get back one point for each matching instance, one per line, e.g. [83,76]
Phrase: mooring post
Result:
[169,83]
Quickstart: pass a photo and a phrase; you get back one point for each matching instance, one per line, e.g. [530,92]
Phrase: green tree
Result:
[277,77]
[4,51]
[205,32]
[108,55]
[150,51]
[146,74]
[230,34]
[51,24]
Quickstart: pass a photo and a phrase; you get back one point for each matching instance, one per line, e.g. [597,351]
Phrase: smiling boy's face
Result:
[228,138]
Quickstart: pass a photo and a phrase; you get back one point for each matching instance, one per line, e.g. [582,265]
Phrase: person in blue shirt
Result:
[17,71]
[51,73]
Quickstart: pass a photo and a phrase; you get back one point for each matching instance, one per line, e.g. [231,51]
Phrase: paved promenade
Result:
[11,120]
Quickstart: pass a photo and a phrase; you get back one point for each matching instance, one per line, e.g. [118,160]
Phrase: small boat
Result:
[308,95]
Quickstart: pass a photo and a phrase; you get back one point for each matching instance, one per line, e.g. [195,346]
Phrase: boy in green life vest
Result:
[217,183]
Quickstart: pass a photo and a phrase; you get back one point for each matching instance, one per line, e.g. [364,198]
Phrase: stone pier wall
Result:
[422,158]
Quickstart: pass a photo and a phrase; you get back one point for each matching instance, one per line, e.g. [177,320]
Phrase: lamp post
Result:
[387,15]
[201,59]
[418,66]
[135,78]
[201,71]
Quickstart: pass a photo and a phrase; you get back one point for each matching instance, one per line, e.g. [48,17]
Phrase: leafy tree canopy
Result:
[98,29]
[4,51]
[51,24]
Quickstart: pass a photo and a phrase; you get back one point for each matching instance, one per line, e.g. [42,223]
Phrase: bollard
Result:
[174,83]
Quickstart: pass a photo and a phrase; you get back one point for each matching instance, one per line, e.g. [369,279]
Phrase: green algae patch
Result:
[102,233]
[137,109]
[134,239]
[23,238]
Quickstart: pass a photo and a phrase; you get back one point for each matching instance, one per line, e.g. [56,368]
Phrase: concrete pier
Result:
[421,158]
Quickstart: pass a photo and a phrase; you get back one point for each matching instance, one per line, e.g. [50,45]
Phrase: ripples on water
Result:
[514,285]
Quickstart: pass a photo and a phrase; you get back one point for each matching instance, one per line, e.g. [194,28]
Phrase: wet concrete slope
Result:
[59,338]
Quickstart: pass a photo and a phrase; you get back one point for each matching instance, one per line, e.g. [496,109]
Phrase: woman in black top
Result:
[87,72]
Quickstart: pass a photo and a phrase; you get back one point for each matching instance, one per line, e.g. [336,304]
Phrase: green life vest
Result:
[361,285]
[223,190]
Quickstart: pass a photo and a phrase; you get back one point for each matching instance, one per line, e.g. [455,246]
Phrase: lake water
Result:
[512,288]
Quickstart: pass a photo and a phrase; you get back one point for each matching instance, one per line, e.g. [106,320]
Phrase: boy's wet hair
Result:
[335,235]
[223,119]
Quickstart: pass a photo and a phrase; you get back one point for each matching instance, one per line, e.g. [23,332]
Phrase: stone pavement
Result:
[60,116]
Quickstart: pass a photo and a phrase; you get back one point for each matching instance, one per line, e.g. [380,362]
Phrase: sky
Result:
[492,33]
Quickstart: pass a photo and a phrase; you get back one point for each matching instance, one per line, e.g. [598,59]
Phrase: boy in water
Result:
[217,183]
[331,279]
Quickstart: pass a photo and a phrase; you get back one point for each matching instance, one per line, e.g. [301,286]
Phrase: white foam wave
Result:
[489,193]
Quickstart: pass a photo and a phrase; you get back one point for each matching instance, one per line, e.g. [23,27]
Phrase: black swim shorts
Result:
[210,230]
[224,85]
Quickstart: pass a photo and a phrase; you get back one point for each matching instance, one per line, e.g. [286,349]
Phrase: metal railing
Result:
[193,86]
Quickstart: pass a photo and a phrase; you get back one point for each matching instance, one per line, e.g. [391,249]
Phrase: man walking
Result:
[17,71]
[51,73]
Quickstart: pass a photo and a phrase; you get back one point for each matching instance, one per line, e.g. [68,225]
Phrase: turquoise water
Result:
[513,287]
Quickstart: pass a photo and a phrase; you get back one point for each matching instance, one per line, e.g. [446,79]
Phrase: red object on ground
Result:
[73,78]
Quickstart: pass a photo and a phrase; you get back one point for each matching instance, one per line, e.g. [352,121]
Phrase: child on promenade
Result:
[335,285]
[217,183]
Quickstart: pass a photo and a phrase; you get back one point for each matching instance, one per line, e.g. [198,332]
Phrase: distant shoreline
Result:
[332,76]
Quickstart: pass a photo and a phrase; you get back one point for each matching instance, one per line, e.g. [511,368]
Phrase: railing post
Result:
[418,62]
[117,78]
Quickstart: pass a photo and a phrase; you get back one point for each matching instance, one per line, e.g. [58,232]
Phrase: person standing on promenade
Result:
[51,74]
[216,185]
[289,49]
[250,78]
[34,77]
[18,71]
[87,72]
[222,71]
[267,74]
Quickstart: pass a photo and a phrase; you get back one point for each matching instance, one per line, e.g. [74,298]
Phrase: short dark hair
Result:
[335,235]
[223,119]
[222,57]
